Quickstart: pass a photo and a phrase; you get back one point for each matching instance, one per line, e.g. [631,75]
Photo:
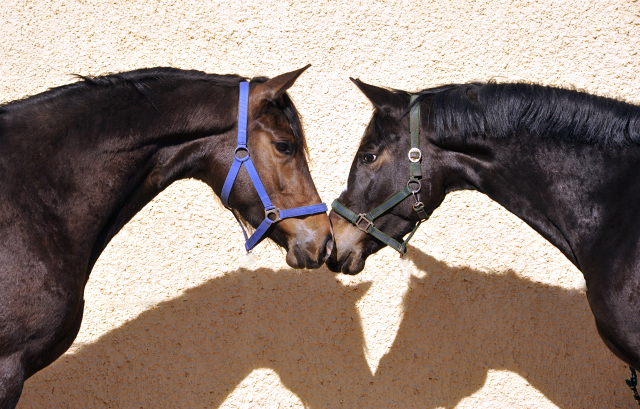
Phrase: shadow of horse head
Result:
[194,350]
[460,323]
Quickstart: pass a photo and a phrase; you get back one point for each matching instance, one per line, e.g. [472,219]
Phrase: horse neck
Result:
[96,161]
[570,193]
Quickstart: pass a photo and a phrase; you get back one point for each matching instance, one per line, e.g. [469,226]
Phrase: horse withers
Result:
[78,161]
[565,162]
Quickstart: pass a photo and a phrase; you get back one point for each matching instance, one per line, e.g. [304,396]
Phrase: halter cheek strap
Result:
[365,221]
[242,157]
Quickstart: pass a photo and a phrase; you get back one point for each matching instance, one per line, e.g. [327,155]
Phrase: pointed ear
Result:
[276,87]
[383,99]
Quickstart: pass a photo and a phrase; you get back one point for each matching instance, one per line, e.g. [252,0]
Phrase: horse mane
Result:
[501,110]
[136,78]
[139,80]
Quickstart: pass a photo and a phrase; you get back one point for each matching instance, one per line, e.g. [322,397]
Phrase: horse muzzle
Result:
[348,255]
[309,241]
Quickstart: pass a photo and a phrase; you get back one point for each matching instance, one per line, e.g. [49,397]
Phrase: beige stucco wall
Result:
[485,314]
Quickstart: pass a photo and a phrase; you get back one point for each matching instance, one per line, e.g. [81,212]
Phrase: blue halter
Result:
[271,213]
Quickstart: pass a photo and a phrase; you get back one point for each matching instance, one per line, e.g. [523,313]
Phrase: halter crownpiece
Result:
[364,221]
[242,157]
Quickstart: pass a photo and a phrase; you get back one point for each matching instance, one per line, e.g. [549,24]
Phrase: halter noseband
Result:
[271,213]
[364,221]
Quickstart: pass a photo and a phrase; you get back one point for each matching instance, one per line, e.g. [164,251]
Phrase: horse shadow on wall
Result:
[192,351]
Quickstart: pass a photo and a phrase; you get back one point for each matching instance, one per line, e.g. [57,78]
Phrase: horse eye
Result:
[284,147]
[369,157]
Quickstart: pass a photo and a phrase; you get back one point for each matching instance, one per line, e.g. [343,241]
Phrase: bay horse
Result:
[565,162]
[77,162]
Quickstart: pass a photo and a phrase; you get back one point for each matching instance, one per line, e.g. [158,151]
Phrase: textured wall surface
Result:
[482,314]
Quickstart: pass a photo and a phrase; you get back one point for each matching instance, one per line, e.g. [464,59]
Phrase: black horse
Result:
[77,162]
[565,162]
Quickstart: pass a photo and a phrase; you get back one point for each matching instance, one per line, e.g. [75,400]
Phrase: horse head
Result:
[381,178]
[276,145]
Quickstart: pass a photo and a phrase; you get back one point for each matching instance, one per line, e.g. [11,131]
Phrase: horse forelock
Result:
[376,133]
[502,110]
[293,117]
[285,104]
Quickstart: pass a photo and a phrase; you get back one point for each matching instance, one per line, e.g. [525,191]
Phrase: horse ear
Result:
[274,88]
[383,99]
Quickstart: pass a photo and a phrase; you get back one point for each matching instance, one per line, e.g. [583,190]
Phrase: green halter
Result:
[364,221]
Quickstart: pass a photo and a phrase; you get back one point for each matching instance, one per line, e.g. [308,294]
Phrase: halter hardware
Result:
[414,155]
[241,149]
[365,221]
[416,190]
[271,213]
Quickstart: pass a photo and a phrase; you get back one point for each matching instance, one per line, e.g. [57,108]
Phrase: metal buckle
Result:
[362,217]
[414,155]
[272,214]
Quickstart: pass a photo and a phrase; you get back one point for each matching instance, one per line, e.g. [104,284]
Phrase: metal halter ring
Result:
[414,191]
[242,149]
[272,214]
[414,155]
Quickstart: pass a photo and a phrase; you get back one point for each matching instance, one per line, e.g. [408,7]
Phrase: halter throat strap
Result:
[243,157]
[365,221]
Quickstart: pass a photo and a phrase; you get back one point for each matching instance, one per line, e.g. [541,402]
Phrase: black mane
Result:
[139,79]
[502,110]
[136,78]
